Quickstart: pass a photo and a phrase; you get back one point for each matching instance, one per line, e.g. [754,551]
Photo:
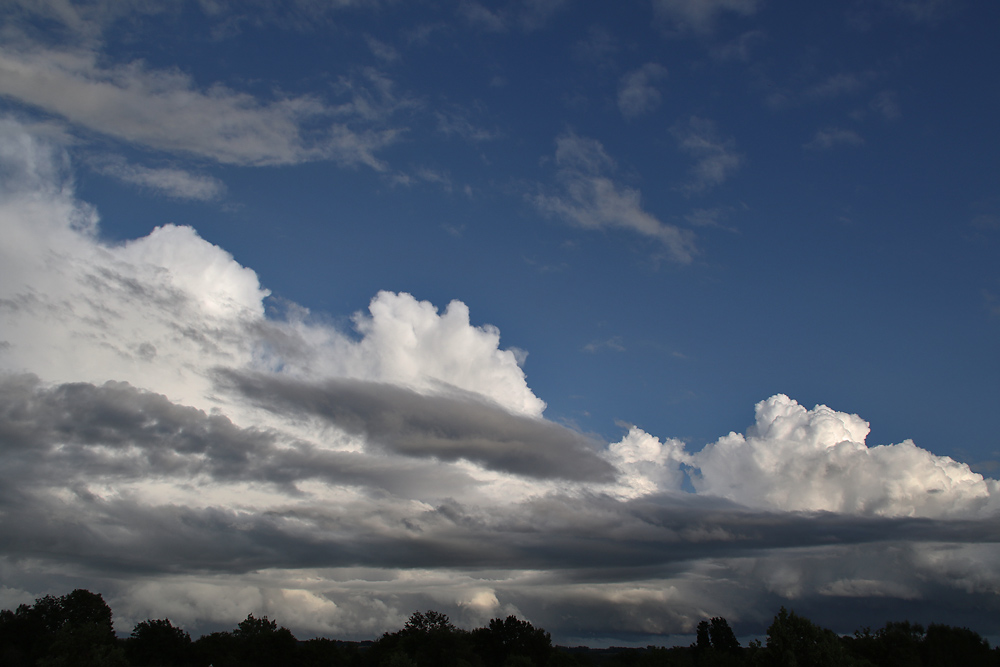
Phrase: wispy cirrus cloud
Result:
[164,110]
[832,137]
[526,15]
[168,181]
[699,16]
[716,159]
[591,199]
[637,91]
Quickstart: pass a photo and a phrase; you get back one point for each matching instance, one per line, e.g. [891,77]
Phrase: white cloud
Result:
[739,48]
[886,103]
[457,123]
[637,94]
[161,310]
[480,17]
[169,181]
[342,479]
[647,465]
[592,200]
[831,137]
[381,50]
[164,110]
[844,83]
[528,15]
[816,460]
[716,158]
[700,15]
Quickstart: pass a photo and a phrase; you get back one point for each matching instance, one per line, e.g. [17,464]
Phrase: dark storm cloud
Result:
[448,428]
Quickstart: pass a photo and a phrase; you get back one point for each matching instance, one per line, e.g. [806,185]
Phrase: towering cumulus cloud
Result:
[166,441]
[798,459]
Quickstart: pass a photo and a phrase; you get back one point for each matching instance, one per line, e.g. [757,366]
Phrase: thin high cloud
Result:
[700,16]
[638,93]
[526,15]
[589,198]
[164,110]
[168,181]
[716,158]
[832,137]
[164,441]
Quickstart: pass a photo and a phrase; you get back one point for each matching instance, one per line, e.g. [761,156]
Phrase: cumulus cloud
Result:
[637,92]
[165,110]
[166,441]
[816,460]
[715,158]
[590,199]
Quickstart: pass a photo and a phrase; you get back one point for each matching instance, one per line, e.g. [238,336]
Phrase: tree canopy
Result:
[76,630]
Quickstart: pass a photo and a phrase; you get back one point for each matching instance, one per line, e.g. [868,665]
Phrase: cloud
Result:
[164,309]
[164,110]
[636,93]
[458,124]
[831,137]
[816,460]
[844,83]
[444,427]
[700,15]
[381,50]
[739,48]
[716,158]
[528,15]
[710,217]
[168,441]
[168,181]
[886,103]
[592,200]
[613,343]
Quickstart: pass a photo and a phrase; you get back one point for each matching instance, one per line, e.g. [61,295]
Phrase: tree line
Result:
[75,630]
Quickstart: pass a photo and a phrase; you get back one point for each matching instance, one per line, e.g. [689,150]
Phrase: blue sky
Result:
[655,216]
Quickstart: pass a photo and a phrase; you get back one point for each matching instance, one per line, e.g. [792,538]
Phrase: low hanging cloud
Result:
[165,441]
[447,428]
[590,199]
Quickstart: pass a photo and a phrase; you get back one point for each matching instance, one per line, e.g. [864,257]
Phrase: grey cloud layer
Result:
[68,453]
[444,427]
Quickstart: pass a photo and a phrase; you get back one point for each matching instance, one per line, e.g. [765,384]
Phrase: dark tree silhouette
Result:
[74,629]
[429,639]
[947,646]
[504,639]
[794,640]
[157,643]
[260,642]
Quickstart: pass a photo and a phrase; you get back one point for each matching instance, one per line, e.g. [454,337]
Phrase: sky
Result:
[612,316]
